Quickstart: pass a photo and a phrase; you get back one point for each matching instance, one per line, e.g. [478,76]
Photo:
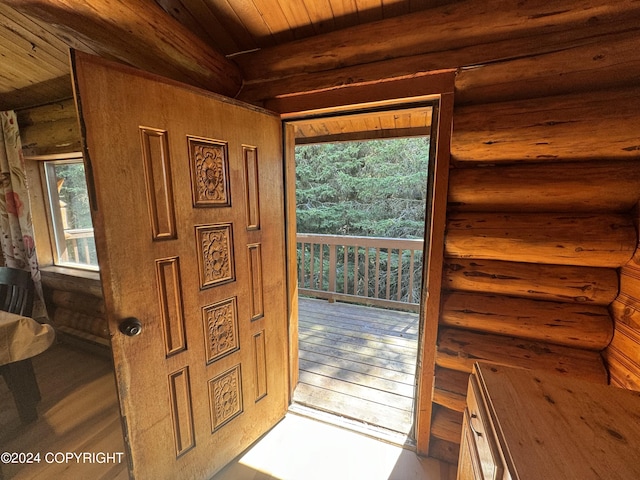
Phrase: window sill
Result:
[72,279]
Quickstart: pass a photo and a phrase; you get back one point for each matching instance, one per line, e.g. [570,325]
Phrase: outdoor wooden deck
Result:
[358,362]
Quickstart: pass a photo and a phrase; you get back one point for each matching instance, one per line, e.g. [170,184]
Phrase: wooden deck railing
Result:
[80,247]
[384,272]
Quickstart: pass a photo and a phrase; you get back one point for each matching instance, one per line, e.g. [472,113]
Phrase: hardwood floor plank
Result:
[79,410]
[301,448]
[78,413]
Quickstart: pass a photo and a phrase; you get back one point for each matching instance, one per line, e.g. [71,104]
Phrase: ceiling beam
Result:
[427,40]
[139,33]
[40,93]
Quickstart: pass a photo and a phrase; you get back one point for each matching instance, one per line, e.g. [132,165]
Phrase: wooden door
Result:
[189,217]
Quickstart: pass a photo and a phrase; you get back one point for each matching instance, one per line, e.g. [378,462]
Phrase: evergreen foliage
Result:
[73,192]
[375,188]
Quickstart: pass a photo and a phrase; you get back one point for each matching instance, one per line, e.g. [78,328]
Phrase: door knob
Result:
[130,326]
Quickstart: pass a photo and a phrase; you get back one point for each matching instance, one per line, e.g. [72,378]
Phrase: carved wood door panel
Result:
[188,211]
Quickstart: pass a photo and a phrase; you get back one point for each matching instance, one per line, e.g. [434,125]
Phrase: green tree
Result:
[372,188]
[73,192]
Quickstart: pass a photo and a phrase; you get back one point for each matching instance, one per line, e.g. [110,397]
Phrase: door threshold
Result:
[372,431]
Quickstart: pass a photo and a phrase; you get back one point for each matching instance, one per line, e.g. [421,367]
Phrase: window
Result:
[69,211]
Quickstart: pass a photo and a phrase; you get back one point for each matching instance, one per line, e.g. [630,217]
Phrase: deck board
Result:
[376,351]
[379,362]
[359,336]
[358,362]
[360,388]
[406,324]
[359,378]
[373,371]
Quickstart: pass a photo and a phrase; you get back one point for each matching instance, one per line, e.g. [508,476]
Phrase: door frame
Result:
[391,94]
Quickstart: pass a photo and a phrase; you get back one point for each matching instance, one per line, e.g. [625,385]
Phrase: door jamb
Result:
[289,169]
[392,93]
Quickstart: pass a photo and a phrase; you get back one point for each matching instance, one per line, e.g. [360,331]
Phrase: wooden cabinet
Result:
[522,424]
[478,443]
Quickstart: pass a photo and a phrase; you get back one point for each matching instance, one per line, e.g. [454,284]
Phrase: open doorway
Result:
[362,190]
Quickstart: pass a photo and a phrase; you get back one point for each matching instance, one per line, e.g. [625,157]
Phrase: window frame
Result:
[55,231]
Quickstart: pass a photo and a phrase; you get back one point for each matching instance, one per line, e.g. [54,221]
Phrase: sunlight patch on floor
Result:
[63,418]
[300,448]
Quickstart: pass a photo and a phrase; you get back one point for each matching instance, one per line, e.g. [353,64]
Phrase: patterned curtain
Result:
[16,229]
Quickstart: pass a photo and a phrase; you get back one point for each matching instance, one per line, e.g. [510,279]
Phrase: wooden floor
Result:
[78,413]
[358,362]
[355,361]
[300,448]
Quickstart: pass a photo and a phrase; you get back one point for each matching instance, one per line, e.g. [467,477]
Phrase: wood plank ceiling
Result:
[235,26]
[34,53]
[35,62]
[409,122]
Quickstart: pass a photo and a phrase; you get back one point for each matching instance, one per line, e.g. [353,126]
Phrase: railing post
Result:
[376,293]
[302,267]
[366,271]
[321,279]
[76,252]
[411,266]
[332,269]
[399,295]
[86,251]
[388,276]
[356,270]
[312,264]
[345,270]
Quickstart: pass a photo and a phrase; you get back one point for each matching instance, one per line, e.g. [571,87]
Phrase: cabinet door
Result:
[468,462]
[481,431]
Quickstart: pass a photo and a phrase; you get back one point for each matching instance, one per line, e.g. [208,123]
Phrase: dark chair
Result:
[16,296]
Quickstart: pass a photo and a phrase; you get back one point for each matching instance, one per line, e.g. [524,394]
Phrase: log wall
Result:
[541,232]
[50,129]
[75,306]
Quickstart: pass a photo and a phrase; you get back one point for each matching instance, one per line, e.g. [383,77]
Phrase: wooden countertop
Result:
[551,427]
